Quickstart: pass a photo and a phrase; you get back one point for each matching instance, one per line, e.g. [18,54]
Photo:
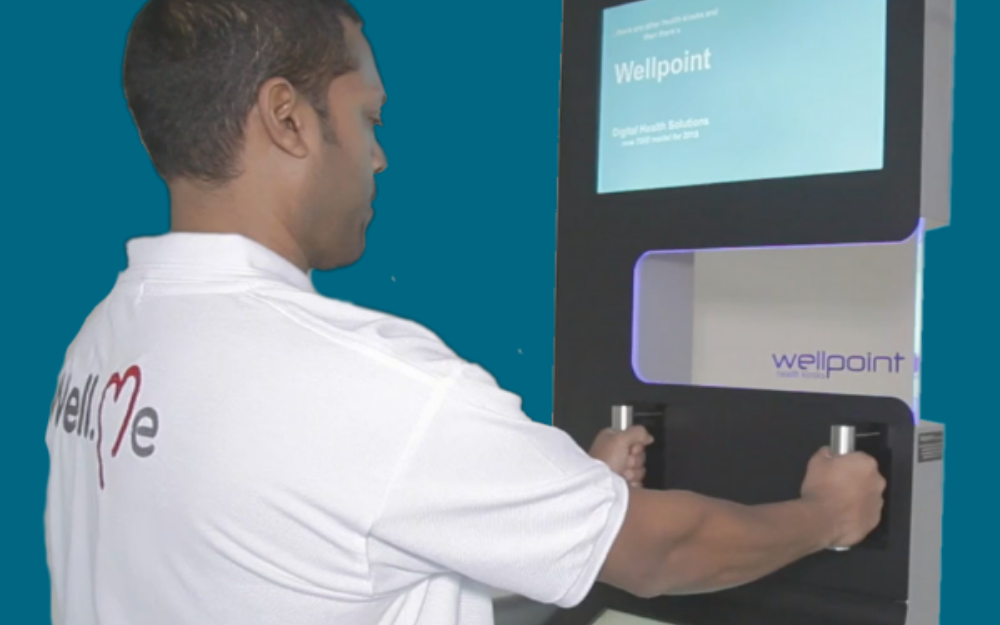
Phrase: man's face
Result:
[342,187]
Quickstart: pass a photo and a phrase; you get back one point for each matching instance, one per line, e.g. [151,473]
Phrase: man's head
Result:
[260,116]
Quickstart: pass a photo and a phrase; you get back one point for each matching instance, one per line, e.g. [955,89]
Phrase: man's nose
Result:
[381,162]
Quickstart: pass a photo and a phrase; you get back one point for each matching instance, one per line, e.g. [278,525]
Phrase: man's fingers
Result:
[637,459]
[637,435]
[624,451]
[634,477]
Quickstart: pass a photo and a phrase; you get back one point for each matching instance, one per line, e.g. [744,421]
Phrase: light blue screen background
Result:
[796,88]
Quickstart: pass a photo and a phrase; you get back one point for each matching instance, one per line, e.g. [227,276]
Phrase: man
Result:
[229,447]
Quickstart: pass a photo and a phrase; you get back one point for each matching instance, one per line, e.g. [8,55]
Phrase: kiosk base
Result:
[612,617]
[517,610]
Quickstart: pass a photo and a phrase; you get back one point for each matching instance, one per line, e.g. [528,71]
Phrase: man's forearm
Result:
[728,545]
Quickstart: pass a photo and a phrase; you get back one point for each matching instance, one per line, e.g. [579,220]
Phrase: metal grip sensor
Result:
[842,439]
[621,418]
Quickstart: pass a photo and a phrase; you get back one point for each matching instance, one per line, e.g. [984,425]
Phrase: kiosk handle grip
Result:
[621,418]
[842,438]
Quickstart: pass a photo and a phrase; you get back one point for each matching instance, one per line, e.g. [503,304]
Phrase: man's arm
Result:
[676,542]
[682,543]
[486,493]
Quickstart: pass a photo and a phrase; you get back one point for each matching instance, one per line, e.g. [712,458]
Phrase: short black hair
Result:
[193,70]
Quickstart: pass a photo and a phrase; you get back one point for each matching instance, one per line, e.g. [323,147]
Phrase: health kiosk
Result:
[744,192]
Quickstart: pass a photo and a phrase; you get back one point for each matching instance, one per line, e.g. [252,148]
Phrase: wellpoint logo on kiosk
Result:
[824,365]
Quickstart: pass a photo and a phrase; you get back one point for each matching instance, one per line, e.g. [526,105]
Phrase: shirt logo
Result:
[116,418]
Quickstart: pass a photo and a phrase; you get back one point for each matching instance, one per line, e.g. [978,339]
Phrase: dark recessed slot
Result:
[873,439]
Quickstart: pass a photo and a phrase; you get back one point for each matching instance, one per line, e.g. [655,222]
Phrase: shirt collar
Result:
[220,252]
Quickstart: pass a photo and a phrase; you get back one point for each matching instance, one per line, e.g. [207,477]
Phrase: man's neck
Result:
[221,212]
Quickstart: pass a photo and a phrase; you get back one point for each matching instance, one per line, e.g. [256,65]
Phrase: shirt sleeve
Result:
[485,492]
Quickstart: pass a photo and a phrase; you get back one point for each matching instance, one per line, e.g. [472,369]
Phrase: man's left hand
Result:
[624,452]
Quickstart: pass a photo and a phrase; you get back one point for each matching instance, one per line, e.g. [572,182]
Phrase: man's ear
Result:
[283,115]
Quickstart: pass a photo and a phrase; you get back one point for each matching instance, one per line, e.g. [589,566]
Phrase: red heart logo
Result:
[118,382]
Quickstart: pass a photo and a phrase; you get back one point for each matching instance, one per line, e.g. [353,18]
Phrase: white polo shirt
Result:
[229,447]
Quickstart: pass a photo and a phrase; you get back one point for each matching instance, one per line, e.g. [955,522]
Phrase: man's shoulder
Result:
[273,329]
[343,328]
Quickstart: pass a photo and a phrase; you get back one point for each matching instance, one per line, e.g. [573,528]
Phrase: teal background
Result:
[795,89]
[466,226]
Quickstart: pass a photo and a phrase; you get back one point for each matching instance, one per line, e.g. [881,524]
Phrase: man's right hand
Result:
[846,493]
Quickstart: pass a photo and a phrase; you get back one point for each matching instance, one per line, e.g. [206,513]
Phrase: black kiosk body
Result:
[744,188]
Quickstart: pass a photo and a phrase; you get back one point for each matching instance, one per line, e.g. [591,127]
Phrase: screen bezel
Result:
[605,142]
[870,206]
